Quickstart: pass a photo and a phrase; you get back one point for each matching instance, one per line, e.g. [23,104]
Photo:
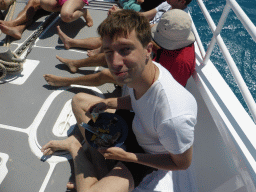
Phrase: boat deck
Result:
[33,113]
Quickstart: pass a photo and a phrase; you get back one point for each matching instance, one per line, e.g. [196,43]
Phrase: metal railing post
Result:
[247,23]
[231,4]
[216,32]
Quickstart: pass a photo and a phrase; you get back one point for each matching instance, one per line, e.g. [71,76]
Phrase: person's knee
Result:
[77,100]
[66,17]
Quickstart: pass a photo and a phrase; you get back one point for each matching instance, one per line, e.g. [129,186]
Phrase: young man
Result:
[70,10]
[165,113]
[176,56]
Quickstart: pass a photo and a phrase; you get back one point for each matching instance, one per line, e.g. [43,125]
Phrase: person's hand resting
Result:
[96,107]
[117,153]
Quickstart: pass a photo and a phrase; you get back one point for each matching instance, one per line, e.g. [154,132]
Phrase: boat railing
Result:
[216,38]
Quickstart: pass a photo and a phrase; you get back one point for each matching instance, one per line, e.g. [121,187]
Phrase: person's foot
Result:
[71,185]
[54,80]
[56,145]
[69,63]
[11,31]
[93,52]
[7,23]
[64,38]
[88,19]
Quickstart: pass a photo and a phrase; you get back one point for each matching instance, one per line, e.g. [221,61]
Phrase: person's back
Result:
[180,62]
[175,40]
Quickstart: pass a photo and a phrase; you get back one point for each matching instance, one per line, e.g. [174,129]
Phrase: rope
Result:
[16,65]
[10,67]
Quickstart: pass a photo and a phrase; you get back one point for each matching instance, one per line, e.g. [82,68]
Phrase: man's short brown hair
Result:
[123,22]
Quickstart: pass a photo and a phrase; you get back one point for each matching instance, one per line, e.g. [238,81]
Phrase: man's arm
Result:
[158,161]
[111,103]
[149,14]
[166,161]
[119,103]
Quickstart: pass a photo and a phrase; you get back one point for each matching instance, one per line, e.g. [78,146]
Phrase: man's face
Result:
[126,57]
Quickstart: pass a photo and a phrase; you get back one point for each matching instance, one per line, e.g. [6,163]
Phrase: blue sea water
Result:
[237,39]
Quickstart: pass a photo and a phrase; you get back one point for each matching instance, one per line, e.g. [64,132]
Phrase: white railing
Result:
[249,26]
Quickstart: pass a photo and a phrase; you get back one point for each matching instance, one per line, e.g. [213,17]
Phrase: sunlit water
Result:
[236,38]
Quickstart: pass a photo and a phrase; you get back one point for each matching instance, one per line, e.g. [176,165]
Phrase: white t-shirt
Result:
[164,122]
[161,9]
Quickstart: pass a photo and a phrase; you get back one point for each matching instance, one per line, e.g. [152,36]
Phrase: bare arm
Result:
[111,103]
[119,103]
[158,161]
[149,14]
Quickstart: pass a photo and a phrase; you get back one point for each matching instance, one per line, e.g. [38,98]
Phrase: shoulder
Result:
[174,95]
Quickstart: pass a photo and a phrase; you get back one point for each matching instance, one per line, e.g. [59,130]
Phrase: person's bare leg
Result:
[16,27]
[95,79]
[88,43]
[93,52]
[66,40]
[49,5]
[73,9]
[14,32]
[88,18]
[74,65]
[80,107]
[26,15]
[118,179]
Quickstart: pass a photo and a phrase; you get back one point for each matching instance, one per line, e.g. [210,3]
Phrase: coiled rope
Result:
[16,65]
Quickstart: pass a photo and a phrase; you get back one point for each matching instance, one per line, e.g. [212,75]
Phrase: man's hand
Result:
[97,107]
[117,153]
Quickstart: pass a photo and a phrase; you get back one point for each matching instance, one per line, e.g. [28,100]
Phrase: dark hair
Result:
[123,22]
[187,2]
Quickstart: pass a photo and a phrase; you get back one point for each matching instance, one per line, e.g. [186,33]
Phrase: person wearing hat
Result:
[175,44]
